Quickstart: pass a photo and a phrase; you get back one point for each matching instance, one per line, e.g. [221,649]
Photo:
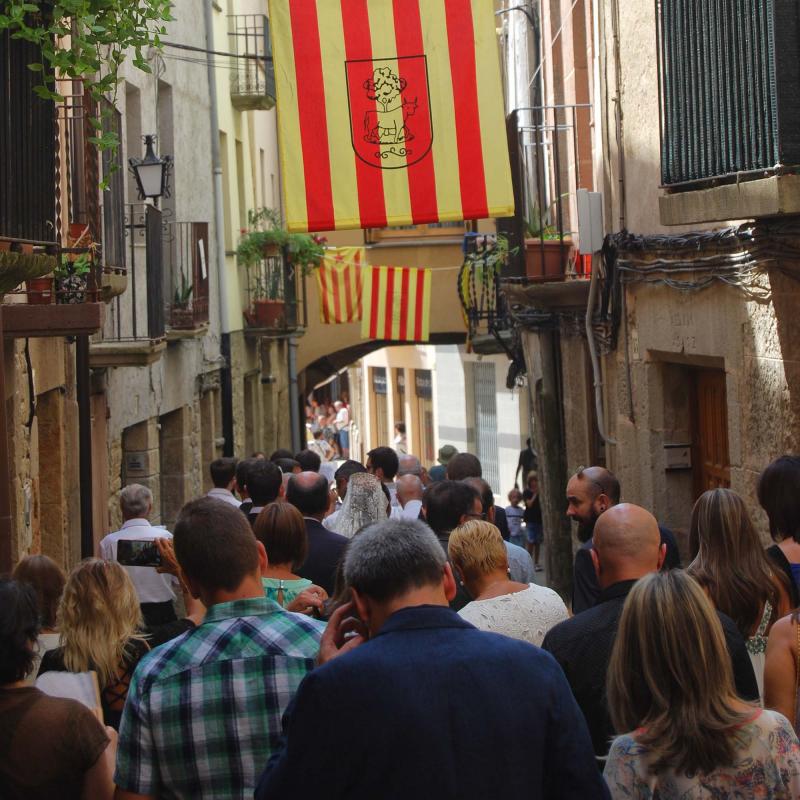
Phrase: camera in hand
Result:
[138,553]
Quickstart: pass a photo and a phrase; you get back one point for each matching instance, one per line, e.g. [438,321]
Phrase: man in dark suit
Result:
[627,546]
[264,484]
[419,703]
[590,492]
[308,492]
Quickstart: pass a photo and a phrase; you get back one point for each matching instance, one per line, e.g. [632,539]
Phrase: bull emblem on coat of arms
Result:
[389,110]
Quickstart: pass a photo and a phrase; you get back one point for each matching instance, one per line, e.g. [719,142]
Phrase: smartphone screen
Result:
[138,553]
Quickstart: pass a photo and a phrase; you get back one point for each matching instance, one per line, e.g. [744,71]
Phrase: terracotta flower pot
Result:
[547,259]
[269,313]
[272,250]
[181,318]
[40,291]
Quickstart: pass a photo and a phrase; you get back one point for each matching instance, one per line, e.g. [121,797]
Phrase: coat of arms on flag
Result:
[390,112]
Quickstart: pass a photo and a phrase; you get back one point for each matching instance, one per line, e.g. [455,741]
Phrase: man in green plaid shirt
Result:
[203,713]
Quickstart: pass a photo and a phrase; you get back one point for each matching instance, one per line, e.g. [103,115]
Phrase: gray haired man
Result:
[411,700]
[410,465]
[156,591]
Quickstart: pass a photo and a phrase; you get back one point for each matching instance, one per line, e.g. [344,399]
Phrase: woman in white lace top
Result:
[519,610]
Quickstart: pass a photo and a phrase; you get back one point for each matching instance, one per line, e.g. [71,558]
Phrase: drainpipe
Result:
[294,396]
[6,527]
[596,372]
[226,383]
[83,390]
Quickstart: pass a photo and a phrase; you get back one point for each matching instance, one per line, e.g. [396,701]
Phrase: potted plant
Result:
[181,315]
[547,250]
[263,238]
[71,279]
[269,308]
[306,251]
[40,290]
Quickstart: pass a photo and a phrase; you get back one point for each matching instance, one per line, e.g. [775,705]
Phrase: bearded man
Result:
[590,492]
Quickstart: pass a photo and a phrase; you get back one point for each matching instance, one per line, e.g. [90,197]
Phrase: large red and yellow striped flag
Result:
[397,304]
[340,284]
[390,112]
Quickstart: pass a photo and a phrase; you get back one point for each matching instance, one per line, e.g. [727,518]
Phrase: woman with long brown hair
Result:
[47,580]
[732,566]
[671,685]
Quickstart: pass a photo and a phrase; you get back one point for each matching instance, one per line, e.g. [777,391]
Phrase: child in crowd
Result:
[533,519]
[514,514]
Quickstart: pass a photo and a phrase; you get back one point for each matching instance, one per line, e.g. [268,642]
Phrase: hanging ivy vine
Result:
[87,40]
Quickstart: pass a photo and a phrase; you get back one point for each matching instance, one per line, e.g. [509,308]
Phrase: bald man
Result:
[627,546]
[409,496]
[591,492]
[308,492]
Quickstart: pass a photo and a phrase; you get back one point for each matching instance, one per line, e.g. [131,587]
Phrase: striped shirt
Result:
[204,710]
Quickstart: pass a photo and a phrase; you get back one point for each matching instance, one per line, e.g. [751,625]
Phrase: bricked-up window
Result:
[27,147]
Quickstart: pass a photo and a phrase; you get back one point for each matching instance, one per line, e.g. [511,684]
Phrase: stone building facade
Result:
[157,411]
[697,362]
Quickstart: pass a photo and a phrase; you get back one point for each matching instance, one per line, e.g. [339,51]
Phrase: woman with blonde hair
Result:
[100,623]
[363,504]
[671,685]
[519,610]
[732,566]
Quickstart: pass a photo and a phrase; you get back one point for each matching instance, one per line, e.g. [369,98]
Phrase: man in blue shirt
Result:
[411,701]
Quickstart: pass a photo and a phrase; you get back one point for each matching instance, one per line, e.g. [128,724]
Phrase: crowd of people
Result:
[376,631]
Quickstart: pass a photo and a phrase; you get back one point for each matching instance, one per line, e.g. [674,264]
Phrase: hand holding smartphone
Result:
[138,553]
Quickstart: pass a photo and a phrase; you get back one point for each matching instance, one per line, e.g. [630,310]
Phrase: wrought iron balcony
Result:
[276,297]
[134,331]
[551,159]
[729,108]
[252,71]
[489,325]
[186,277]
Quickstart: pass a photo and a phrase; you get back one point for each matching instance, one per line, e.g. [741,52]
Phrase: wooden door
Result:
[711,457]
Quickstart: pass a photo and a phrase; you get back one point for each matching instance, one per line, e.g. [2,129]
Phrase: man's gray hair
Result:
[135,501]
[409,465]
[389,558]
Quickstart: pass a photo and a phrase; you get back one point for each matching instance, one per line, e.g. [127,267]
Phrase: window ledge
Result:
[765,197]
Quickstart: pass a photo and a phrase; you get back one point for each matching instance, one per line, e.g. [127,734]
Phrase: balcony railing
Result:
[276,297]
[728,83]
[135,319]
[488,322]
[551,159]
[252,71]
[186,275]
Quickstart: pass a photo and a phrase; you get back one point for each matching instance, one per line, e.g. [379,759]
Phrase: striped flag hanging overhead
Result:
[390,112]
[340,284]
[397,304]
